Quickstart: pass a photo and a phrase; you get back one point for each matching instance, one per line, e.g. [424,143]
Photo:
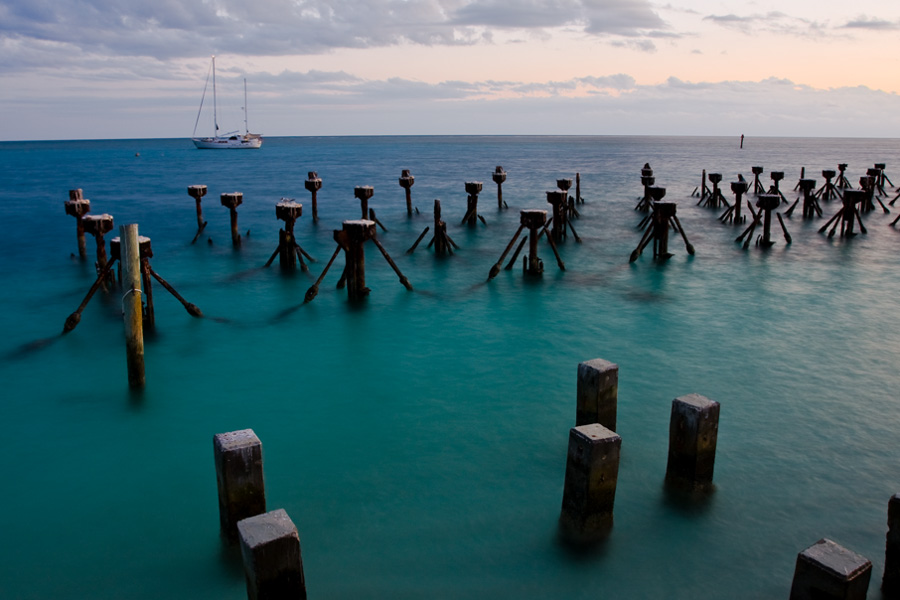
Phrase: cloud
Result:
[774,22]
[872,24]
[166,29]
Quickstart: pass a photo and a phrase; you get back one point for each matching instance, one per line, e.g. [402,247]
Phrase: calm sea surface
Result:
[418,440]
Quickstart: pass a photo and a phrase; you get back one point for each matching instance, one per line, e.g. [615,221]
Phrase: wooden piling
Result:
[592,470]
[78,206]
[473,188]
[270,549]
[828,570]
[197,192]
[352,239]
[231,201]
[313,184]
[132,304]
[597,393]
[239,478]
[406,182]
[890,583]
[499,176]
[693,433]
[363,193]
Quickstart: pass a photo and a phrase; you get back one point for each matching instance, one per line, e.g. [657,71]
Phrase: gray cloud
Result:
[165,29]
[774,22]
[872,24]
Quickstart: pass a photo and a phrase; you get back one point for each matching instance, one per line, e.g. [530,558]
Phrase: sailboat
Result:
[229,140]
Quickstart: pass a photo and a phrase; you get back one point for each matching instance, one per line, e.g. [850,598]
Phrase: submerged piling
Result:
[693,433]
[239,478]
[231,201]
[78,206]
[592,470]
[132,304]
[597,393]
[270,549]
[828,570]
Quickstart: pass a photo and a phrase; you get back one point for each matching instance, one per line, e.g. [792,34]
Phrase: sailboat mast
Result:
[246,127]
[215,108]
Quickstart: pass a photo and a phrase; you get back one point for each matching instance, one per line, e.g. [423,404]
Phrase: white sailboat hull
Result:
[233,142]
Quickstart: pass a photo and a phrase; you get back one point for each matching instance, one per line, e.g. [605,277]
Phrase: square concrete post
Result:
[239,475]
[828,570]
[693,432]
[270,549]
[592,470]
[597,393]
[890,584]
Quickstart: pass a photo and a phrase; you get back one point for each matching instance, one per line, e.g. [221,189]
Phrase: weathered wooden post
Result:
[714,199]
[363,193]
[473,188]
[757,184]
[197,192]
[648,180]
[658,223]
[352,239]
[239,478]
[589,493]
[288,211]
[578,198]
[766,204]
[270,549]
[890,583]
[828,570]
[145,250]
[842,181]
[313,184]
[406,182]
[597,393]
[98,226]
[558,199]
[733,213]
[848,213]
[499,176]
[533,220]
[132,304]
[693,433]
[231,201]
[78,206]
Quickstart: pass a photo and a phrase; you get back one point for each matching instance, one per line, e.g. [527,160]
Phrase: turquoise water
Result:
[418,440]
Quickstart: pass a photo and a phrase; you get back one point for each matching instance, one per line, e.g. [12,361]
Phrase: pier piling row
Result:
[828,570]
[239,476]
[270,549]
[693,433]
[592,471]
[597,393]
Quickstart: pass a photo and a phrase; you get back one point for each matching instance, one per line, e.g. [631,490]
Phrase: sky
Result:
[89,69]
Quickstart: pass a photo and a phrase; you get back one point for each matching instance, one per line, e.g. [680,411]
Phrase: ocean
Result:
[418,439]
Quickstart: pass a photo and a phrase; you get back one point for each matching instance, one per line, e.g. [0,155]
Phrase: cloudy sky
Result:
[73,69]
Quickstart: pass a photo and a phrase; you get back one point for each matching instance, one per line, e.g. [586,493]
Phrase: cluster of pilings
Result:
[661,219]
[592,464]
[768,201]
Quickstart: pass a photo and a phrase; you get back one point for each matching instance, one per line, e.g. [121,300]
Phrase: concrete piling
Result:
[473,188]
[828,570]
[757,184]
[406,182]
[589,493]
[842,182]
[364,193]
[313,184]
[647,180]
[777,177]
[828,191]
[132,305]
[714,199]
[693,433]
[890,583]
[733,213]
[270,549]
[658,223]
[559,201]
[288,249]
[847,215]
[239,477]
[597,393]
[231,201]
[197,192]
[766,203]
[499,176]
[78,206]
